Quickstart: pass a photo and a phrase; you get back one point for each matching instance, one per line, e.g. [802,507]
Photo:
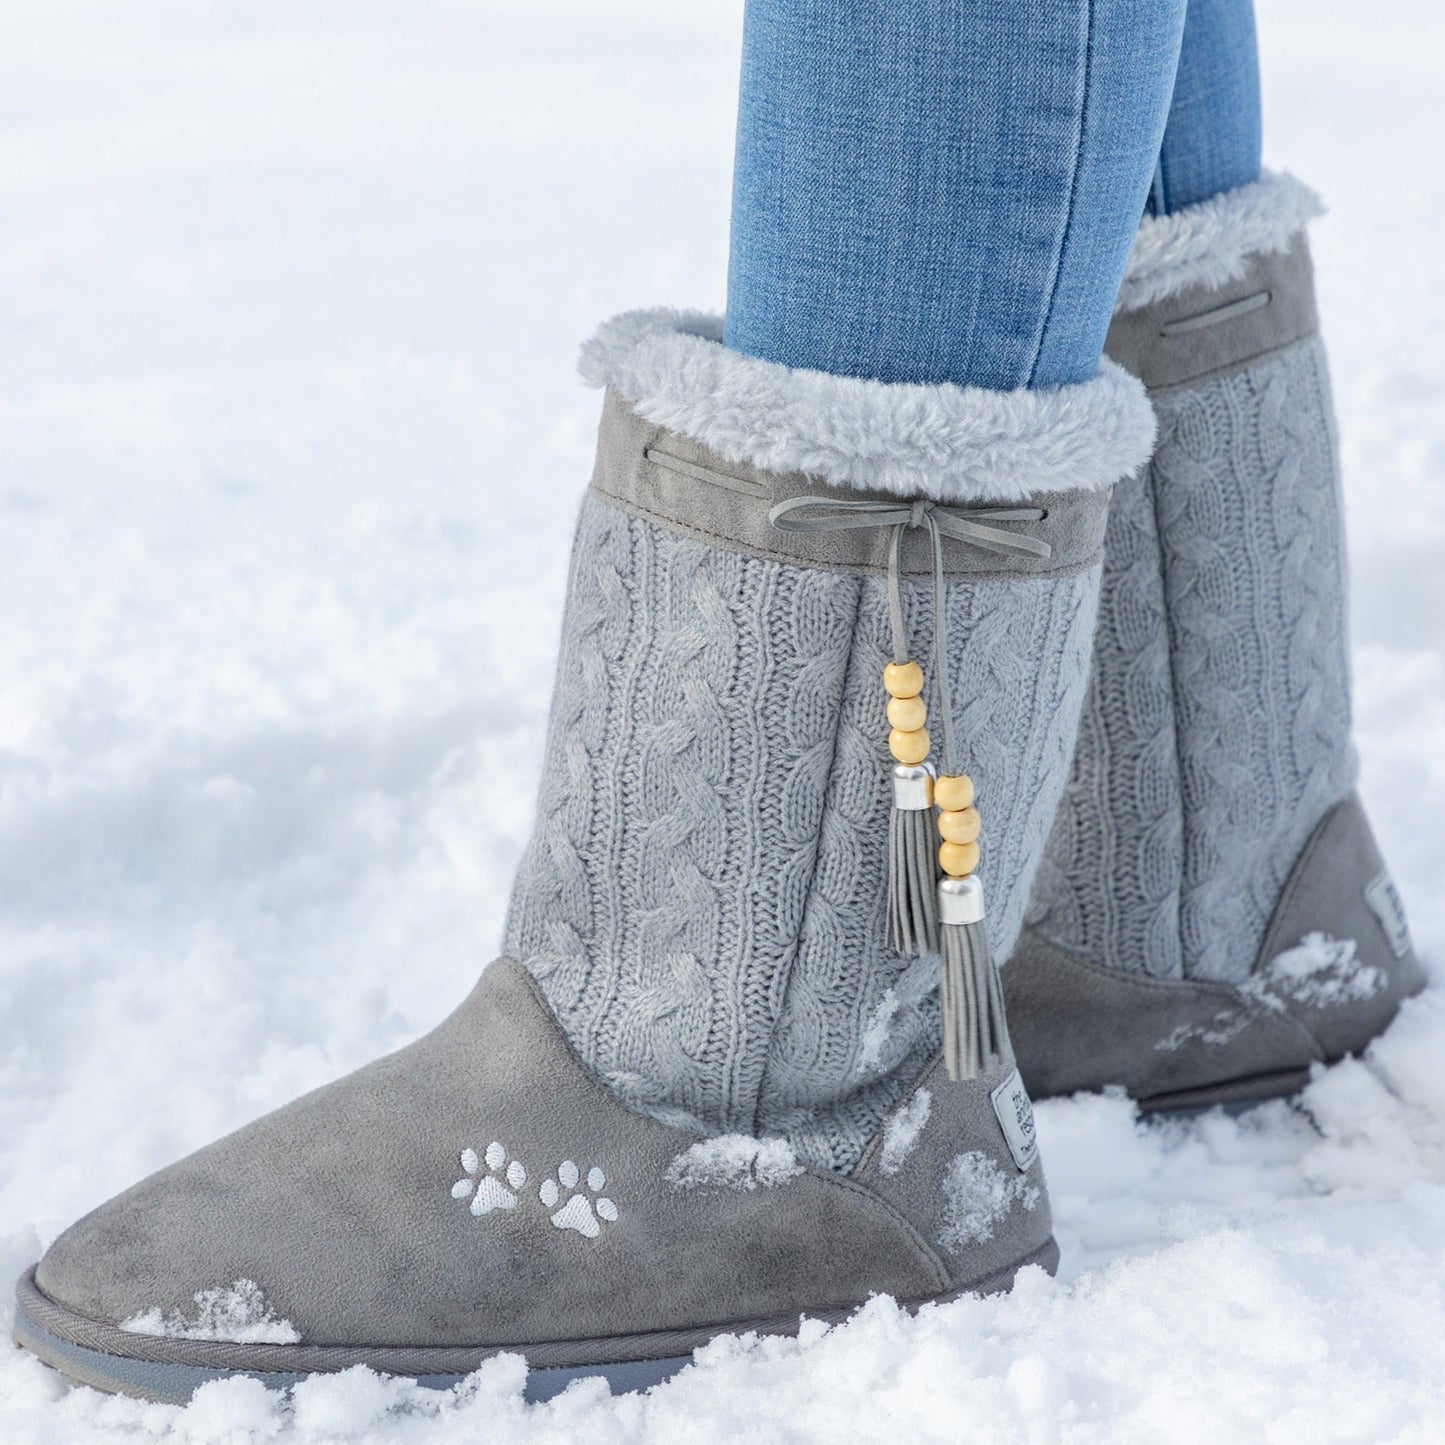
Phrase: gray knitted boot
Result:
[1212,915]
[701,1094]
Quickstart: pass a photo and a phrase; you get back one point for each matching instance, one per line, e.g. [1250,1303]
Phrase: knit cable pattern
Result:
[556,917]
[696,714]
[1253,547]
[1244,492]
[859,1021]
[703,902]
[1109,884]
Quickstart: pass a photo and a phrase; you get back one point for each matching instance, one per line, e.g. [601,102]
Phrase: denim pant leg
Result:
[1212,140]
[931,191]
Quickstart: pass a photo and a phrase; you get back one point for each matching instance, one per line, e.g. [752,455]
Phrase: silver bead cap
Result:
[960,900]
[912,787]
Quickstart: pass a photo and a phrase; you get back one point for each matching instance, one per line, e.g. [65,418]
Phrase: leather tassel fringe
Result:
[975,1029]
[912,871]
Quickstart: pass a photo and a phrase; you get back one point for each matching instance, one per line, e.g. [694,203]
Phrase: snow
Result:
[1319,972]
[876,1032]
[978,1195]
[238,1313]
[290,440]
[901,1131]
[734,1161]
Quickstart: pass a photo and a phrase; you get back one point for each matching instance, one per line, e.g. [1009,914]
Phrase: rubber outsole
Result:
[170,1370]
[174,1384]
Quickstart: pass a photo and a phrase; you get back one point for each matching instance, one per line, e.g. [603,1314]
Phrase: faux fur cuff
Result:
[1208,244]
[950,443]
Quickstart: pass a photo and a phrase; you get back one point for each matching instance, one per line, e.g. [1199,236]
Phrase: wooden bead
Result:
[910,748]
[907,714]
[954,794]
[959,826]
[903,679]
[958,860]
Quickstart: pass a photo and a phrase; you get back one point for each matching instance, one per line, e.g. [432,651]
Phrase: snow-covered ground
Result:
[290,442]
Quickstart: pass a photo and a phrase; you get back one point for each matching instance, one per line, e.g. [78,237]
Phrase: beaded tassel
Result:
[970,994]
[975,1028]
[912,903]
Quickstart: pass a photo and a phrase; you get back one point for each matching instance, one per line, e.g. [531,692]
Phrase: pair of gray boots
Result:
[704,1090]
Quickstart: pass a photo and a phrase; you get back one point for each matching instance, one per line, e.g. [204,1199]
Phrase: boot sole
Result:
[169,1370]
[1240,1092]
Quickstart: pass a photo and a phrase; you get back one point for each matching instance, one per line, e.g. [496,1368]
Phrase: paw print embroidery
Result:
[578,1212]
[489,1192]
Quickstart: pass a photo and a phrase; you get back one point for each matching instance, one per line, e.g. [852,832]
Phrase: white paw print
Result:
[488,1192]
[577,1213]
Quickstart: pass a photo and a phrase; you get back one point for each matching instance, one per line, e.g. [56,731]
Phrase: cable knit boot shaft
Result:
[704,900]
[1212,785]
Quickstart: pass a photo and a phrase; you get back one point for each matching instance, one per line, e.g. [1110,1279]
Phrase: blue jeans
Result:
[946,190]
[1213,139]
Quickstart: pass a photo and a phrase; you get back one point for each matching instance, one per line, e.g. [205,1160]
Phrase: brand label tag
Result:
[1016,1119]
[1384,900]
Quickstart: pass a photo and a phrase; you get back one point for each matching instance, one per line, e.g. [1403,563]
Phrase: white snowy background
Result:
[290,444]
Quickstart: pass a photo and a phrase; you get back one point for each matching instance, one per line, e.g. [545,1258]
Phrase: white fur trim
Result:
[1209,243]
[951,443]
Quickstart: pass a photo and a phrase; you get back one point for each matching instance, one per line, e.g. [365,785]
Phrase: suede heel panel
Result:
[1327,895]
[1077,1025]
[956,1180]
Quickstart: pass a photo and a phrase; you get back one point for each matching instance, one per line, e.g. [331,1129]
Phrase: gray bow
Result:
[963,524]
